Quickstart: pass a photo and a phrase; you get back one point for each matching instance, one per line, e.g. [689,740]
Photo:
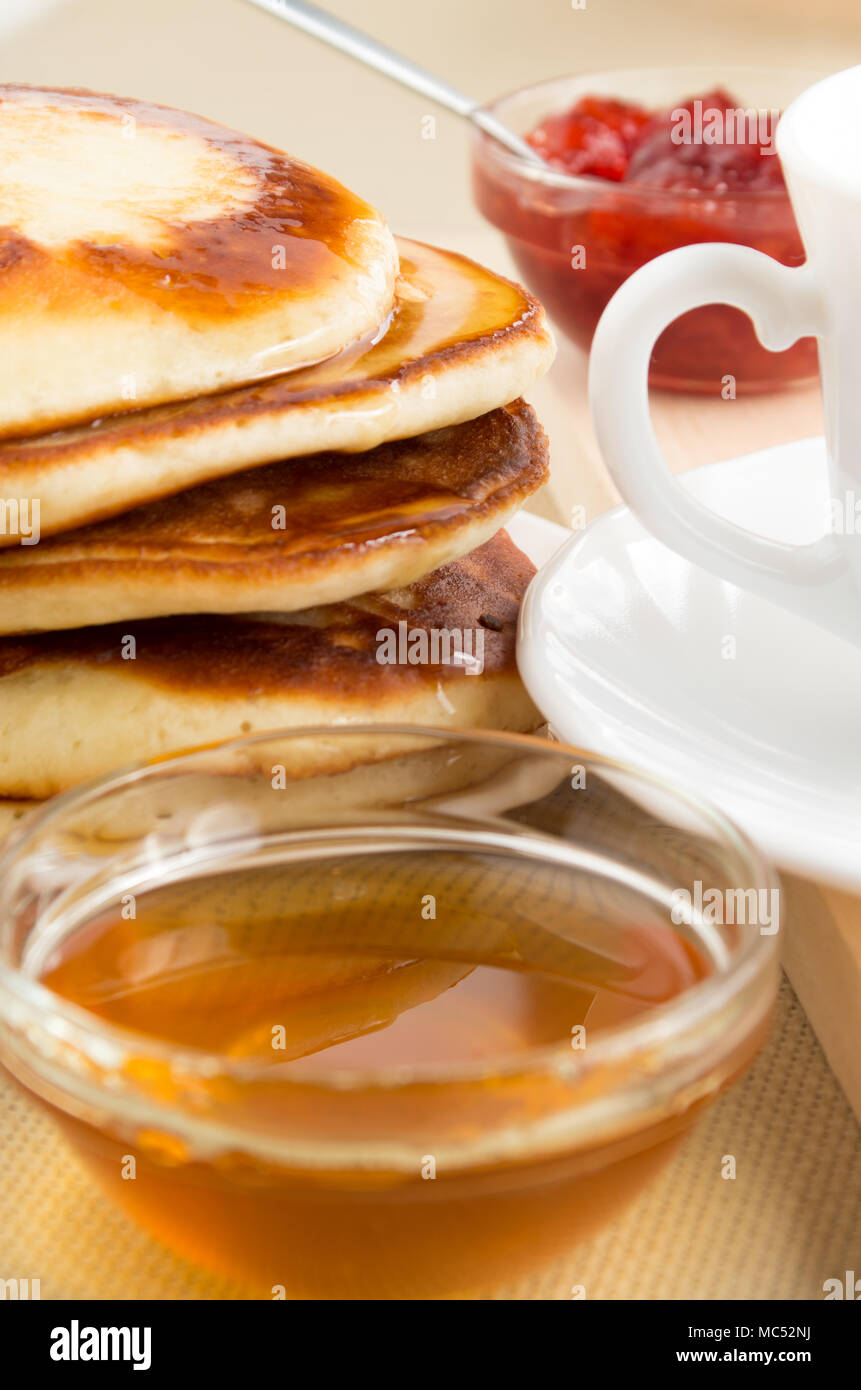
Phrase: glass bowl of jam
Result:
[379,1012]
[635,164]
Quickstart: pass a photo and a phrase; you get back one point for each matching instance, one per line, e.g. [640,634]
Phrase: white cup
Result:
[819,144]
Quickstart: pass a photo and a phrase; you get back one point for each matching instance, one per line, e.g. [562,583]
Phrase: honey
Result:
[393,1041]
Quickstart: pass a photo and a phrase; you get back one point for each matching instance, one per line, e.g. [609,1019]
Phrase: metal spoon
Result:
[343,36]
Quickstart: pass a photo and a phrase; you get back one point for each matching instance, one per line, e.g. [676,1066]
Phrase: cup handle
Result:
[784,305]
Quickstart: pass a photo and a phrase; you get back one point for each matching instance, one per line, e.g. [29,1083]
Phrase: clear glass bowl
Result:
[545,214]
[314,1180]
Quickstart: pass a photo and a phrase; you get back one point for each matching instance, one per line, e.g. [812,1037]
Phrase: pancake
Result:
[462,341]
[77,704]
[150,255]
[12,813]
[328,780]
[289,535]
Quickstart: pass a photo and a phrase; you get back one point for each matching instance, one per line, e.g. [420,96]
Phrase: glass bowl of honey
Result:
[637,163]
[380,1012]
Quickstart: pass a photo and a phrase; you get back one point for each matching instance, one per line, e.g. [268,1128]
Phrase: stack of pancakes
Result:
[245,436]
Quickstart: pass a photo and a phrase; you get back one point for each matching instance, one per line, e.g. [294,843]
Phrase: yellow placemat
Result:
[789,1220]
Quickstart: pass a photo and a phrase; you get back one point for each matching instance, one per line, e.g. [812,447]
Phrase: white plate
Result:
[628,649]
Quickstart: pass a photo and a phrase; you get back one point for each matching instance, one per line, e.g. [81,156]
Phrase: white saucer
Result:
[623,646]
[536,537]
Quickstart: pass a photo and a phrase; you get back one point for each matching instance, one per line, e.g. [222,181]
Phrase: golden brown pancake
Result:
[289,535]
[362,777]
[76,704]
[12,813]
[462,342]
[149,255]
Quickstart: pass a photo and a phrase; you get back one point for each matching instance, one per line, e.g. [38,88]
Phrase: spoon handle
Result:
[376,55]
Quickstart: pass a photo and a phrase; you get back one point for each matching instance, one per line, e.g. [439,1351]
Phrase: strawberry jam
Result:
[597,136]
[705,146]
[647,182]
